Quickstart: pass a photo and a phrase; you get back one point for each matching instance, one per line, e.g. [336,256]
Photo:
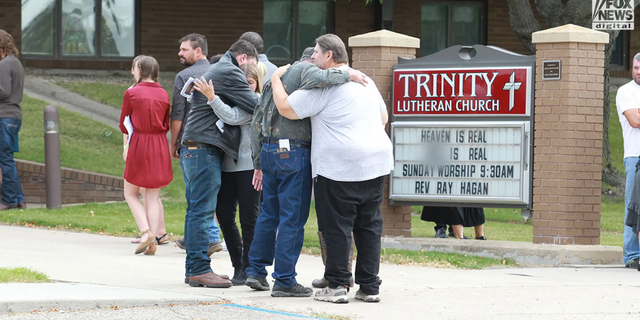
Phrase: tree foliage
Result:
[557,13]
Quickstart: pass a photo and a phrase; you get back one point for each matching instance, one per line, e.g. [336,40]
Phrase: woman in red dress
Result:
[148,162]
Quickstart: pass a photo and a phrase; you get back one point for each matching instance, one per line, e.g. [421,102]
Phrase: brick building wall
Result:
[77,186]
[353,18]
[164,22]
[10,11]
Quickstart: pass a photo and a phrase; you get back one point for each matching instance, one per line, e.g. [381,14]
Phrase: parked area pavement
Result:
[92,271]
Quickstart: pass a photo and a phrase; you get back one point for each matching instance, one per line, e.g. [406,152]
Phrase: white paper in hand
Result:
[129,127]
[220,125]
[186,89]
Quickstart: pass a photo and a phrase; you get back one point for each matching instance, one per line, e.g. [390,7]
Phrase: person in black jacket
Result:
[204,141]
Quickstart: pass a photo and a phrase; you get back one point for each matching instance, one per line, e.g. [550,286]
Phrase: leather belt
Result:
[190,143]
[292,142]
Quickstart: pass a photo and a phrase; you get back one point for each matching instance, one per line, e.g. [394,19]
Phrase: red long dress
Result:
[148,161]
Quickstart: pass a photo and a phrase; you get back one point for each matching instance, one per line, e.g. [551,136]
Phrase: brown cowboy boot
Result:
[323,283]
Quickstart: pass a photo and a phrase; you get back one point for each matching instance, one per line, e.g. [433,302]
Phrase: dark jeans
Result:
[202,168]
[11,190]
[237,191]
[343,207]
[286,197]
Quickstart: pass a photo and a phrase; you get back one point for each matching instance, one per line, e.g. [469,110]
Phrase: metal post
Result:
[52,157]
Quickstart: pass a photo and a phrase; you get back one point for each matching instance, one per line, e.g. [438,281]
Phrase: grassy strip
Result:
[109,94]
[20,274]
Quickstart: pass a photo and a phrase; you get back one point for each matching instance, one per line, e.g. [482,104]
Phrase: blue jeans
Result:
[630,239]
[202,168]
[214,230]
[11,190]
[286,197]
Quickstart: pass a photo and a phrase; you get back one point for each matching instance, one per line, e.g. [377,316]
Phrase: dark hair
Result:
[149,68]
[244,47]
[331,42]
[255,39]
[197,41]
[306,54]
[216,58]
[6,44]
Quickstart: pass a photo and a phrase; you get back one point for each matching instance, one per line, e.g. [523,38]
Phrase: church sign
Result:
[462,129]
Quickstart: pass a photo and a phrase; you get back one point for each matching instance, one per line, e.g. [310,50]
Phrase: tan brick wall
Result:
[377,62]
[77,186]
[568,145]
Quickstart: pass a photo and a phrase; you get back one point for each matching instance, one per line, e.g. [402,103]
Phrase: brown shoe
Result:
[320,283]
[22,205]
[209,280]
[223,276]
[214,247]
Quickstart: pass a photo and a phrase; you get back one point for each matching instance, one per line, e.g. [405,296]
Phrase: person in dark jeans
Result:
[11,91]
[206,138]
[281,152]
[237,189]
[351,155]
[193,55]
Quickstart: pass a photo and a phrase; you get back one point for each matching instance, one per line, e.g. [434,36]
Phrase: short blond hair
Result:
[251,71]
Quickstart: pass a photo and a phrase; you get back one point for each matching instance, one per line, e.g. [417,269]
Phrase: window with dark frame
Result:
[446,24]
[290,26]
[620,52]
[79,29]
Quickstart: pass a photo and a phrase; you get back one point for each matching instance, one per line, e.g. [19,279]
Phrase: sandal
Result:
[151,250]
[143,245]
[163,239]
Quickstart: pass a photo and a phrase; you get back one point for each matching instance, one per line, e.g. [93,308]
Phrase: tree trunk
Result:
[523,22]
[610,174]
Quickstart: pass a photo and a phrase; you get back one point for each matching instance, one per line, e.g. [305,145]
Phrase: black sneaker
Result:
[257,283]
[297,290]
[633,264]
[441,233]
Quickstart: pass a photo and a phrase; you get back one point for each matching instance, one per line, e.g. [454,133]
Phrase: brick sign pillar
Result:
[568,135]
[375,54]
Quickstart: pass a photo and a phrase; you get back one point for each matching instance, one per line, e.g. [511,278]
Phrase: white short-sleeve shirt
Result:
[628,98]
[348,138]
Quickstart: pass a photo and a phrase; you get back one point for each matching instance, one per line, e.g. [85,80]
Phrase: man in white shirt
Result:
[628,104]
[350,156]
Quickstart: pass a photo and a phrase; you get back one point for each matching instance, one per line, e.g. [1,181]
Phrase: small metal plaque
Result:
[551,70]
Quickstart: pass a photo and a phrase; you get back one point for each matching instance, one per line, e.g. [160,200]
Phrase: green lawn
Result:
[109,94]
[24,275]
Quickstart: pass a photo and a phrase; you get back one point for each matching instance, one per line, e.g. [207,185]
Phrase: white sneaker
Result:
[335,295]
[367,297]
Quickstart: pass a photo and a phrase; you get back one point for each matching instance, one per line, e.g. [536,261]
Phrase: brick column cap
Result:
[570,33]
[384,38]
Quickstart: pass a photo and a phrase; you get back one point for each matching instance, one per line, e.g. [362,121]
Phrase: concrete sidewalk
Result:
[99,271]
